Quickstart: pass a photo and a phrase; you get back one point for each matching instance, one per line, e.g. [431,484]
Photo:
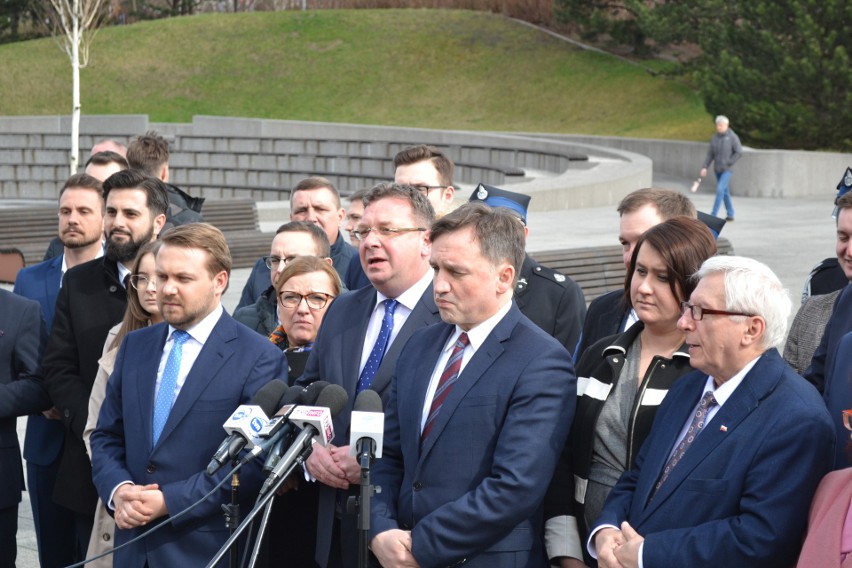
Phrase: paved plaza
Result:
[790,235]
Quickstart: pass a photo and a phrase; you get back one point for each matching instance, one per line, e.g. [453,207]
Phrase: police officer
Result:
[550,299]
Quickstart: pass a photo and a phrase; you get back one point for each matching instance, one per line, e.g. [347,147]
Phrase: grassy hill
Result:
[424,68]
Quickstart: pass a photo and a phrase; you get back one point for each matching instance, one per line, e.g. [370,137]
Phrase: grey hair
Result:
[722,118]
[752,288]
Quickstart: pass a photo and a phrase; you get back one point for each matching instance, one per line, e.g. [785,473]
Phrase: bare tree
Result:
[75,23]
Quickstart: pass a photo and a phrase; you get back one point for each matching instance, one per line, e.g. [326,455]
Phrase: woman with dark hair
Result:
[142,311]
[621,381]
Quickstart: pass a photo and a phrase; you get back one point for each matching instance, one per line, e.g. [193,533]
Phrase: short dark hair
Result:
[202,236]
[315,231]
[82,181]
[316,182]
[107,157]
[499,231]
[156,195]
[359,195]
[844,201]
[668,203]
[148,152]
[421,152]
[420,205]
[684,244]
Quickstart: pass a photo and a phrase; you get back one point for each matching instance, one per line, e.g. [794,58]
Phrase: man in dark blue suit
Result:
[173,387]
[737,448]
[22,339]
[360,339]
[478,410]
[81,219]
[835,385]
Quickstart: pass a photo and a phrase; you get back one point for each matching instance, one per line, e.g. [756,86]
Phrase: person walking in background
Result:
[724,151]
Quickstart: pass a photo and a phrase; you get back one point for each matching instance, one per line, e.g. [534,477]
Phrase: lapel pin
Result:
[723,428]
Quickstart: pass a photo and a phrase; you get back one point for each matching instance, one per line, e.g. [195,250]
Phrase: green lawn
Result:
[423,68]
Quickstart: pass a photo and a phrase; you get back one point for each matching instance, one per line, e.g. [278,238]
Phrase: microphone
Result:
[280,429]
[315,422]
[367,428]
[244,425]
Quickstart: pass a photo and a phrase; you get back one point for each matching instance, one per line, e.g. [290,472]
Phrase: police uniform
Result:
[550,299]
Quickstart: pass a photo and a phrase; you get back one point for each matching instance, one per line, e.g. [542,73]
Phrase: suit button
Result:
[151,468]
[67,413]
[417,486]
[106,537]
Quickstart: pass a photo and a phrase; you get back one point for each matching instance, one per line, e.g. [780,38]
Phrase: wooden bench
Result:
[598,270]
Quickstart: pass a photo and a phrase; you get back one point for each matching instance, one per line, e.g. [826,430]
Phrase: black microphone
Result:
[246,422]
[315,422]
[367,426]
[281,430]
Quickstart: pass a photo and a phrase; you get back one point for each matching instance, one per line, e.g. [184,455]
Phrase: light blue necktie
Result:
[378,352]
[168,384]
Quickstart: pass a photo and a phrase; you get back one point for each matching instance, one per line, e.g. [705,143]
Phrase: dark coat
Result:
[22,340]
[552,301]
[90,302]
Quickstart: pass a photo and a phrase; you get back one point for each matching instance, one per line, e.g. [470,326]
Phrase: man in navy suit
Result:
[737,448]
[22,339]
[81,220]
[835,385]
[479,407]
[360,339]
[157,428]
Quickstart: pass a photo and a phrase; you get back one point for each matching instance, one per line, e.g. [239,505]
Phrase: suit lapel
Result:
[475,369]
[149,355]
[212,358]
[352,344]
[757,383]
[424,314]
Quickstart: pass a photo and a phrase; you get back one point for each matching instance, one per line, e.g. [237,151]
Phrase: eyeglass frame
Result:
[684,306]
[383,232]
[326,299]
[425,189]
[270,264]
[134,281]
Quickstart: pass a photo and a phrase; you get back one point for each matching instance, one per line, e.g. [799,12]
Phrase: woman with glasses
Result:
[304,289]
[621,381]
[142,311]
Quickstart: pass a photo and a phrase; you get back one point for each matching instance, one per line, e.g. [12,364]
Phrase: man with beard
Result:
[81,229]
[92,299]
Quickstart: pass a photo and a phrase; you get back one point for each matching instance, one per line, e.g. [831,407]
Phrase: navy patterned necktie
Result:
[698,423]
[379,347]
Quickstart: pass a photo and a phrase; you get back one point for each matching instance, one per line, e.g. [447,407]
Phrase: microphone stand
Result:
[232,515]
[263,501]
[365,457]
[264,521]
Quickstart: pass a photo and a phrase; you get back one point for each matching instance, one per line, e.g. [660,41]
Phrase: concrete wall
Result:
[221,157]
[759,173]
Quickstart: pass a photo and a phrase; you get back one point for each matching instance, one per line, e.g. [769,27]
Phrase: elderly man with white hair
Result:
[724,151]
[737,448]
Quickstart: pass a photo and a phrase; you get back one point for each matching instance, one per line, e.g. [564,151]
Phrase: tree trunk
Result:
[75,104]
